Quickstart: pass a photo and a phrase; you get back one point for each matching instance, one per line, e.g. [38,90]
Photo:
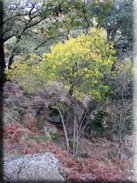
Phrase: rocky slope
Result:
[28,130]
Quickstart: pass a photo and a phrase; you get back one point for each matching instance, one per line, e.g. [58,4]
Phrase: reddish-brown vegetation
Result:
[76,170]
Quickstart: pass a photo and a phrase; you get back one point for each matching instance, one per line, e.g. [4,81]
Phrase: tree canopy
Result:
[79,63]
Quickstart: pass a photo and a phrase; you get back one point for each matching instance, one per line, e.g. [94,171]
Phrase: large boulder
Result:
[33,167]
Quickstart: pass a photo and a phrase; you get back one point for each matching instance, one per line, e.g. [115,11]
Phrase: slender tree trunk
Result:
[74,134]
[77,139]
[64,128]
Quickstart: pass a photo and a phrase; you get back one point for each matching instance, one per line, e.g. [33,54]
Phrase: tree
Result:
[118,106]
[118,22]
[24,22]
[79,64]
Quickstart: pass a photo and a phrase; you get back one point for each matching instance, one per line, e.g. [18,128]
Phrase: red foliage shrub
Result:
[17,133]
[58,151]
[29,147]
[58,155]
[73,176]
[64,159]
[72,164]
[53,150]
[13,131]
[26,151]
[47,144]
[10,128]
[8,147]
[84,169]
[65,153]
[43,143]
[34,146]
[31,126]
[31,134]
[23,147]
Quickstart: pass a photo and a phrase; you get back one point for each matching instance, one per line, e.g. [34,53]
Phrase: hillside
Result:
[25,116]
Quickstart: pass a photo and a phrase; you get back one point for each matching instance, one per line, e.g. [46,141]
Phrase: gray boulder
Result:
[33,167]
[55,119]
[15,100]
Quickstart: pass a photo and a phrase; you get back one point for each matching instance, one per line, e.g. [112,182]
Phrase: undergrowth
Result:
[30,140]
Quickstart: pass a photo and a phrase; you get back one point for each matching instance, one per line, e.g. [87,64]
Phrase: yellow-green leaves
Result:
[80,62]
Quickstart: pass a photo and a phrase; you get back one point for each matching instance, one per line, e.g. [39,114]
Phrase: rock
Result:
[10,116]
[45,95]
[22,99]
[15,100]
[12,102]
[33,167]
[27,117]
[13,106]
[33,113]
[38,106]
[55,119]
[7,102]
[11,86]
[52,134]
[28,93]
[24,106]
[54,115]
[22,112]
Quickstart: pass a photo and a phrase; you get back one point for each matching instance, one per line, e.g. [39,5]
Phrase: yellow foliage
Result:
[78,62]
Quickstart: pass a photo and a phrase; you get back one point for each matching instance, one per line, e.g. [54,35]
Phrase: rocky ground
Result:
[25,120]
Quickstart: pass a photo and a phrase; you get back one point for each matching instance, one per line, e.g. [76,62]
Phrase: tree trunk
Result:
[74,134]
[64,128]
[91,106]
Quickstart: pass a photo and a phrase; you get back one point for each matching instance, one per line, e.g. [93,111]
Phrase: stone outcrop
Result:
[33,167]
